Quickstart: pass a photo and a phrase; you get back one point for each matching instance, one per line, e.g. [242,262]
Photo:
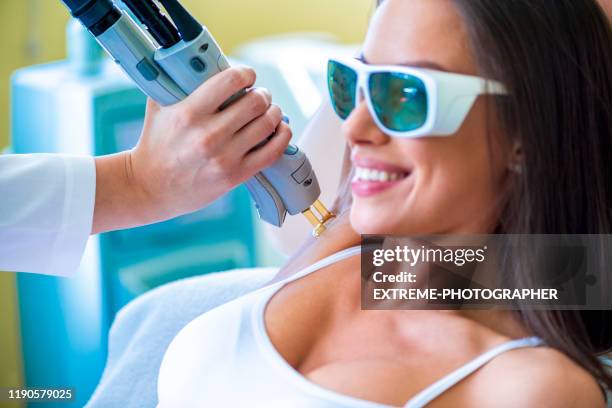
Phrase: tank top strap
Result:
[323,263]
[439,387]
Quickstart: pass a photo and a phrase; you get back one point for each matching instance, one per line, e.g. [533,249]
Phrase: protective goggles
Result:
[406,102]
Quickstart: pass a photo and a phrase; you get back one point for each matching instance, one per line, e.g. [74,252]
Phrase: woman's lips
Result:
[369,189]
[373,177]
[369,163]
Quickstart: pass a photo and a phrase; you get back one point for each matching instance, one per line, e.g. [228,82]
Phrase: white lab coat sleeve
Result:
[46,212]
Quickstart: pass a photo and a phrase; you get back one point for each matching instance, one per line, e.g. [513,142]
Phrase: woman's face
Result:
[451,184]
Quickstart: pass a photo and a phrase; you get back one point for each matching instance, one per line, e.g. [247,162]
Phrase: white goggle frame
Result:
[450,96]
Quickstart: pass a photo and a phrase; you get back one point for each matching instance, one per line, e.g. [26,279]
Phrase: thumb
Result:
[152,106]
[153,109]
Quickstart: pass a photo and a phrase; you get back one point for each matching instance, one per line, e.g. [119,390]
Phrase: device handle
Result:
[134,52]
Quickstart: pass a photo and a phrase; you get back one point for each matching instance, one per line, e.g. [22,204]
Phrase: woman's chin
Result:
[374,222]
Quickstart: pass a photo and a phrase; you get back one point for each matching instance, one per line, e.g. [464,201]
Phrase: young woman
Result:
[521,144]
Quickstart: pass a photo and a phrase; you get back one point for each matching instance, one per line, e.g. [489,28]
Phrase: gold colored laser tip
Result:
[311,217]
[318,222]
[318,205]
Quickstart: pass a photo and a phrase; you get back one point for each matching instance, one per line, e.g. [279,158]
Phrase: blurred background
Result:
[53,331]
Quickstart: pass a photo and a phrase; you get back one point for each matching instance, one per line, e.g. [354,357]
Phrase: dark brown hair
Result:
[555,59]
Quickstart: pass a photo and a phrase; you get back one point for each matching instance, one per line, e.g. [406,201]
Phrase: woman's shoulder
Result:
[538,377]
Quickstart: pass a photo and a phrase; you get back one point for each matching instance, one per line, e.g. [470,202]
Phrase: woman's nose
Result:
[359,128]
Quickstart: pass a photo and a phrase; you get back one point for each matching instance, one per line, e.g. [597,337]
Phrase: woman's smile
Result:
[372,176]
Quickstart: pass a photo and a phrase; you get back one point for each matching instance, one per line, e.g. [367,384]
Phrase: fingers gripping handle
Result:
[169,74]
[289,185]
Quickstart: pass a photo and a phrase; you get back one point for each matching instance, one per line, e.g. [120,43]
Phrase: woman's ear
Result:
[516,161]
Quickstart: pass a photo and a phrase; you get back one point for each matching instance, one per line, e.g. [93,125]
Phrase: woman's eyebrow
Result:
[414,64]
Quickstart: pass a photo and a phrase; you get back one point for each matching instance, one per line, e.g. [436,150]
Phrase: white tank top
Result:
[224,358]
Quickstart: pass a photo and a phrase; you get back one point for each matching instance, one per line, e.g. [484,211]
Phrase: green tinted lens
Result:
[400,100]
[342,84]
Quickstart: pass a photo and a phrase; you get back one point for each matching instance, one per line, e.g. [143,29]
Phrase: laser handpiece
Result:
[168,62]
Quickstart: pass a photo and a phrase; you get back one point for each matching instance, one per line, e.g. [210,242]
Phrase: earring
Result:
[516,162]
[516,168]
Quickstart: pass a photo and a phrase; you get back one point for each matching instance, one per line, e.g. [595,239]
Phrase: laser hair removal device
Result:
[169,58]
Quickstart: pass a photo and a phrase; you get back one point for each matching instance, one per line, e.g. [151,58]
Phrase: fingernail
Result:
[286,119]
[266,91]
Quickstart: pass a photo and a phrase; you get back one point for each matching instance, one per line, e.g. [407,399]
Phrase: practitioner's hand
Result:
[190,154]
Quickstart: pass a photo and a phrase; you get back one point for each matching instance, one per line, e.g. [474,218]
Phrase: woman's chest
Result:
[318,328]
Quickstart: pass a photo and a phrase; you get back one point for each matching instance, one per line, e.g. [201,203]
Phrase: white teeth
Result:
[366,174]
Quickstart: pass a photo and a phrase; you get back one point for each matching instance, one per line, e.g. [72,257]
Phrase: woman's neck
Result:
[338,236]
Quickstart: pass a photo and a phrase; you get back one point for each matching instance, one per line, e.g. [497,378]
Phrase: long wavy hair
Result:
[555,59]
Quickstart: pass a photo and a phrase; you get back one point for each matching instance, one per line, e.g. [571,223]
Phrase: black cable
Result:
[96,15]
[188,27]
[155,22]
